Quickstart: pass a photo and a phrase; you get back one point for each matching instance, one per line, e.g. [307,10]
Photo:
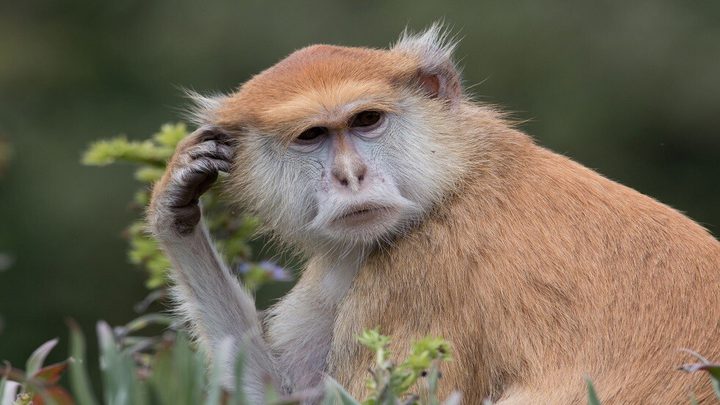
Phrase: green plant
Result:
[38,384]
[391,383]
[167,370]
[592,395]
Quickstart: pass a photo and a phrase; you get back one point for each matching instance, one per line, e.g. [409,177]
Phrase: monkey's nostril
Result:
[344,182]
[361,177]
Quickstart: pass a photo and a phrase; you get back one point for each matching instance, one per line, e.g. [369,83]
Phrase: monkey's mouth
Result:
[362,214]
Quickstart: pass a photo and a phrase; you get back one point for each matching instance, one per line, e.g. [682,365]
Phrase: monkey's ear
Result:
[437,74]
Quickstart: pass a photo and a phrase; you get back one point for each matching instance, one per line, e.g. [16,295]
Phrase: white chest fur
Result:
[300,326]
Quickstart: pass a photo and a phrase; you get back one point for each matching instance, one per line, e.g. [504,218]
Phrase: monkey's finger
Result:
[209,164]
[212,150]
[199,138]
[191,181]
[215,166]
[186,194]
[195,172]
[198,166]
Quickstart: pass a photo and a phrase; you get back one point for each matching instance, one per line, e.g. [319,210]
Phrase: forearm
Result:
[207,294]
[217,306]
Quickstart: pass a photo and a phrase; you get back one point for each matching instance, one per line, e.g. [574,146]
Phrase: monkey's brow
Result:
[341,116]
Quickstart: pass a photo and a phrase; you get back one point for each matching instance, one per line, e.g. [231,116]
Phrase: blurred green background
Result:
[630,88]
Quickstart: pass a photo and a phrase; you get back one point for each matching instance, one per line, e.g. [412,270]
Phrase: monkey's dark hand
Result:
[175,209]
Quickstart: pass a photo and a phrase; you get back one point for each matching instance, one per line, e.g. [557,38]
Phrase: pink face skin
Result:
[350,179]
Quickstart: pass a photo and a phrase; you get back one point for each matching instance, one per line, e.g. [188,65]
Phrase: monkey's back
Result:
[541,268]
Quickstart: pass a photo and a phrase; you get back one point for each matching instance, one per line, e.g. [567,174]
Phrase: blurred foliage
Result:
[37,384]
[231,231]
[390,383]
[167,370]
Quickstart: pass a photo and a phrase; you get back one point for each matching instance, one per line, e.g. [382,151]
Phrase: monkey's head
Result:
[343,146]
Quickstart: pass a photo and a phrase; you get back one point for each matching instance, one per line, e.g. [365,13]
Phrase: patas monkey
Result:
[422,212]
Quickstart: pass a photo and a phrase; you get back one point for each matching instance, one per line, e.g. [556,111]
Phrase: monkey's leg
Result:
[208,294]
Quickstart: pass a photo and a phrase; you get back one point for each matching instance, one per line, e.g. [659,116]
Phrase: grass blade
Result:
[37,358]
[178,376]
[335,394]
[79,377]
[121,384]
[238,397]
[143,321]
[3,382]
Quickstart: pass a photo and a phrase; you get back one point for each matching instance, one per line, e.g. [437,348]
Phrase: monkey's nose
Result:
[349,172]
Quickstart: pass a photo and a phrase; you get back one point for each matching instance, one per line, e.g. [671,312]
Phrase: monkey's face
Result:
[334,155]
[362,175]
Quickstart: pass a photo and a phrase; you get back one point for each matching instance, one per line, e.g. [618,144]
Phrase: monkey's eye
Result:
[311,135]
[365,119]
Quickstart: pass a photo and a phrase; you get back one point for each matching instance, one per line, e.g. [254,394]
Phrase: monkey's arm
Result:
[207,293]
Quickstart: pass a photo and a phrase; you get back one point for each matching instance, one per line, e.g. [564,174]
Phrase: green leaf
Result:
[238,396]
[170,134]
[103,153]
[272,397]
[378,343]
[37,358]
[3,382]
[143,321]
[178,376]
[120,383]
[149,174]
[142,198]
[432,379]
[79,377]
[387,396]
[335,394]
[592,395]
